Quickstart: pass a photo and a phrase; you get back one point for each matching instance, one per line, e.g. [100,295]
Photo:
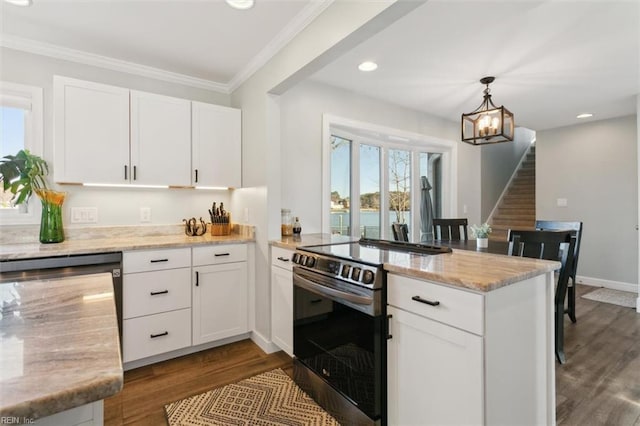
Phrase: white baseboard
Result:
[263,343]
[615,285]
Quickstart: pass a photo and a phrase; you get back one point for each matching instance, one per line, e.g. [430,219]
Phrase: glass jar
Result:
[286,226]
[297,228]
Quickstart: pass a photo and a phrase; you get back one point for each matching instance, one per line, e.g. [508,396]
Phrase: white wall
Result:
[301,110]
[340,26]
[115,206]
[594,166]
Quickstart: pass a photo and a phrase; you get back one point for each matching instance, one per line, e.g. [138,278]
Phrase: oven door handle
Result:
[330,292]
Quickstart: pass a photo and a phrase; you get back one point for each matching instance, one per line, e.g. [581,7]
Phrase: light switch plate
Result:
[84,215]
[561,202]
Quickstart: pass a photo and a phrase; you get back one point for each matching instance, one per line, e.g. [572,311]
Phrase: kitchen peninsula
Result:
[470,334]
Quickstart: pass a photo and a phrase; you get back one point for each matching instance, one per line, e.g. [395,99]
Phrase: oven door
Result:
[338,341]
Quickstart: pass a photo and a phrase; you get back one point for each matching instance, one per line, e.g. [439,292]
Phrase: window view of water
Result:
[369,223]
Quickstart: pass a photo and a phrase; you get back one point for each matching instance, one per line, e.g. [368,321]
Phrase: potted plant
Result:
[25,173]
[481,234]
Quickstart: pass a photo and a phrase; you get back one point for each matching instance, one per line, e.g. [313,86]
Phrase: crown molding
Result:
[86,58]
[288,33]
[299,22]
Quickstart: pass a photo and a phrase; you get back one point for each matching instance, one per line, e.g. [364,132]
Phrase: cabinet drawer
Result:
[155,334]
[149,293]
[215,254]
[458,308]
[281,258]
[156,260]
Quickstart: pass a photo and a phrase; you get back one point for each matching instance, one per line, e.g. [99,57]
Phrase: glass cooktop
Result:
[373,252]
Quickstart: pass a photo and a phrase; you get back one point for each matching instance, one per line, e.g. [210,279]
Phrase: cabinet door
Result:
[435,373]
[282,308]
[217,145]
[91,132]
[160,140]
[220,305]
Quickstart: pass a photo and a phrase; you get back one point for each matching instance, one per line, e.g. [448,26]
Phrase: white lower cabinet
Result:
[458,357]
[155,334]
[282,299]
[220,294]
[434,372]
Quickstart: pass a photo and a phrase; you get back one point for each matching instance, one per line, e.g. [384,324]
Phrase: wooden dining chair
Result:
[400,231]
[450,229]
[549,245]
[576,228]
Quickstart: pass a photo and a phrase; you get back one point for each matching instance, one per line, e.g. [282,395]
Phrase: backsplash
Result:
[28,234]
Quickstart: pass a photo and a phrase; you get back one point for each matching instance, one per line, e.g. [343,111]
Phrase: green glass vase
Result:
[51,228]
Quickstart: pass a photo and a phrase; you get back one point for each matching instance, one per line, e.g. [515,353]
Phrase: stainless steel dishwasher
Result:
[65,266]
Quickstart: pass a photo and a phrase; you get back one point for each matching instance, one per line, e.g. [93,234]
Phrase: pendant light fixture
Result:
[487,124]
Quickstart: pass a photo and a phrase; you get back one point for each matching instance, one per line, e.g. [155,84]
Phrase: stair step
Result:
[518,210]
[527,216]
[514,223]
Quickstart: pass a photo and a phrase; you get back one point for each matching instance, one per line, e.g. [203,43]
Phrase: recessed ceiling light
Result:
[367,66]
[240,4]
[585,115]
[19,2]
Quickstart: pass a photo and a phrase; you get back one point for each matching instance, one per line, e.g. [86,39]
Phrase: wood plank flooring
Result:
[599,384]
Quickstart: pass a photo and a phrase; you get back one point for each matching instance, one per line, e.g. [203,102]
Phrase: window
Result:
[369,175]
[20,128]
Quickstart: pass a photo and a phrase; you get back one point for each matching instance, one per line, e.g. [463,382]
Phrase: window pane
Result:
[340,185]
[12,131]
[400,187]
[369,191]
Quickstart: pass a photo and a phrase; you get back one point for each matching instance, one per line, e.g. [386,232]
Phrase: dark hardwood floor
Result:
[599,384]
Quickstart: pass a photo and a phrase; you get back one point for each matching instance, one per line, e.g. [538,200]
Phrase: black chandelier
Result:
[487,124]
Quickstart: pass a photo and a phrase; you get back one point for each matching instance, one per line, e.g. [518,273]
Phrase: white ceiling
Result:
[205,39]
[552,59]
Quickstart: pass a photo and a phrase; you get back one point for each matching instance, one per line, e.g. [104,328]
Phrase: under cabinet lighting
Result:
[584,115]
[219,188]
[124,185]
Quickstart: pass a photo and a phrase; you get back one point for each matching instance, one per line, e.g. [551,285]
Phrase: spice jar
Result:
[286,227]
[297,228]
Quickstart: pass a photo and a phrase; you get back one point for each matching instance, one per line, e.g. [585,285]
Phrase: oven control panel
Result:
[357,273]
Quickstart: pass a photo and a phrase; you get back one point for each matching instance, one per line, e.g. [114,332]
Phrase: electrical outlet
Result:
[84,215]
[145,214]
[561,202]
[246,215]
[465,210]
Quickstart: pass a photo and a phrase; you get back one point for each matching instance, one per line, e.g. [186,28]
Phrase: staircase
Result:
[517,209]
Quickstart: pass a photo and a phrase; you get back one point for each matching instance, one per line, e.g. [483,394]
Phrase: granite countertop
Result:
[469,270]
[60,345]
[310,240]
[121,238]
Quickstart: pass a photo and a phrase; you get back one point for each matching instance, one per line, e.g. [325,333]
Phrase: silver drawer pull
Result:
[158,260]
[425,301]
[155,293]
[153,336]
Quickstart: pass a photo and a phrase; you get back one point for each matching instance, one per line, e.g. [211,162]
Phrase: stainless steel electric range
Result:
[340,326]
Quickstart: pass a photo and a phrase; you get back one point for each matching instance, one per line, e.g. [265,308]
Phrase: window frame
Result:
[363,133]
[31,99]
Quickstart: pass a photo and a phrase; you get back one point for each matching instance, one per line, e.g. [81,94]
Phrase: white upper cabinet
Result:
[113,135]
[160,140]
[91,132]
[216,154]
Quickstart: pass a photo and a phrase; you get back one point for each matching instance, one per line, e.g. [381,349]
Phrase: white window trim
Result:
[30,98]
[356,131]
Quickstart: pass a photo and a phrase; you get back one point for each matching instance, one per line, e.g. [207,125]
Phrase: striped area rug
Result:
[270,398]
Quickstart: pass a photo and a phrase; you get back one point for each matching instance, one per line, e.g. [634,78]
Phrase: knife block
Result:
[220,229]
